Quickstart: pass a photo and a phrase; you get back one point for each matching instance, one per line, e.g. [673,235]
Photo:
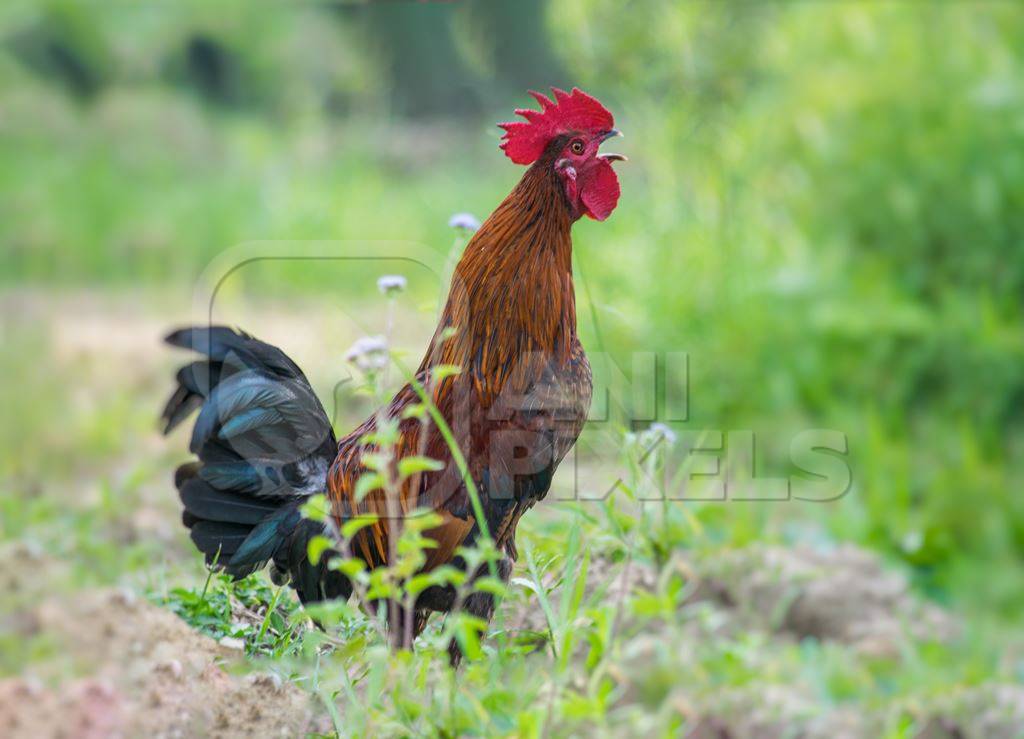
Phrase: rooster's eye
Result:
[577,146]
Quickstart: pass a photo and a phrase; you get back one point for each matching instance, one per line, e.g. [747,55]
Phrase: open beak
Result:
[610,157]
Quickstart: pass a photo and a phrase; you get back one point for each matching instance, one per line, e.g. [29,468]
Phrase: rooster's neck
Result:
[532,224]
[512,292]
[520,261]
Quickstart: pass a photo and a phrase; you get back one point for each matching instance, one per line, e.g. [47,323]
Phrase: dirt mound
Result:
[771,596]
[989,711]
[771,712]
[842,595]
[144,672]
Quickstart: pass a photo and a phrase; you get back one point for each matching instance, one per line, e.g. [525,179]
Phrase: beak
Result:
[609,157]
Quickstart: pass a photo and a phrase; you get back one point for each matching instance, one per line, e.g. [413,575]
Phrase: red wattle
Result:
[599,190]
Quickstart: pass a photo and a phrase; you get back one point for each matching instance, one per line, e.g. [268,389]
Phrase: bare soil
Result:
[146,673]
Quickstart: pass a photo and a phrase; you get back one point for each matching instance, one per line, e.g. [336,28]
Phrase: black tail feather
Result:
[219,540]
[264,444]
[206,503]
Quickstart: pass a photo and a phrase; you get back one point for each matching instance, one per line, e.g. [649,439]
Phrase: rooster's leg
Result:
[403,626]
[479,604]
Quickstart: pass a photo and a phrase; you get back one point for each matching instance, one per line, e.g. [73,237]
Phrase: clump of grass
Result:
[268,620]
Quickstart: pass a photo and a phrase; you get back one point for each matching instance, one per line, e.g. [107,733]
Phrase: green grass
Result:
[269,623]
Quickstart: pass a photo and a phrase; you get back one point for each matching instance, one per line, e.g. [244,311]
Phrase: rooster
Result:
[515,407]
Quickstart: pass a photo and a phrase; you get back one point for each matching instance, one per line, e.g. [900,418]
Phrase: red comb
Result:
[524,142]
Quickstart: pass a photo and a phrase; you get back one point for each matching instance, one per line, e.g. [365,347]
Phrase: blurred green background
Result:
[824,207]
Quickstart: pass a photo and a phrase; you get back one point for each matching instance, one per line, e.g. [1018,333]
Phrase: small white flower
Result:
[391,284]
[912,542]
[660,432]
[465,221]
[370,353]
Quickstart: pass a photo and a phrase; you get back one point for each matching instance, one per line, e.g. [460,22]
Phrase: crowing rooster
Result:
[265,445]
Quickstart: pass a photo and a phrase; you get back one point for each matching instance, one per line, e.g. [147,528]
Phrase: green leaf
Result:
[316,547]
[411,465]
[442,371]
[353,526]
[444,575]
[493,585]
[347,567]
[420,520]
[316,508]
[415,410]
[375,461]
[448,575]
[368,482]
[381,591]
[419,583]
[467,633]
[387,432]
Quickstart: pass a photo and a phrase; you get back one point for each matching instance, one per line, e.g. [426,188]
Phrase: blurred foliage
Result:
[829,200]
[823,207]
